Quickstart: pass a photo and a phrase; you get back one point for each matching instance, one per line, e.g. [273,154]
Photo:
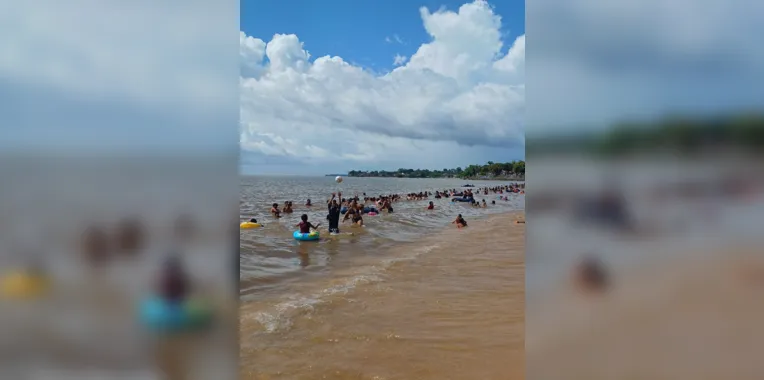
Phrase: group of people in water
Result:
[353,209]
[128,239]
[99,246]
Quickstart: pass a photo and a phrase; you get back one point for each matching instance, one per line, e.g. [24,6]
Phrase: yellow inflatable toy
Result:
[247,225]
[23,285]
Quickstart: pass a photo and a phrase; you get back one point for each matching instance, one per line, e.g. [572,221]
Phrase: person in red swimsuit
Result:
[305,225]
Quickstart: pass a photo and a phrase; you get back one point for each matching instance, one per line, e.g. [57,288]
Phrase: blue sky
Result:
[424,111]
[357,30]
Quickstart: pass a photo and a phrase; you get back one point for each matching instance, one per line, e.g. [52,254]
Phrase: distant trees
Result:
[492,169]
[676,134]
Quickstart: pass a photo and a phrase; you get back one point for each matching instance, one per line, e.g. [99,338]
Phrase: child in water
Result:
[275,210]
[173,281]
[430,206]
[460,222]
[307,203]
[305,225]
[288,207]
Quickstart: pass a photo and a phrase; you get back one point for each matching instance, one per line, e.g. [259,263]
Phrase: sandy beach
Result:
[449,306]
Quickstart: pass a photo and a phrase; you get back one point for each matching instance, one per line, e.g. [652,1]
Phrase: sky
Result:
[596,62]
[328,87]
[73,81]
[87,80]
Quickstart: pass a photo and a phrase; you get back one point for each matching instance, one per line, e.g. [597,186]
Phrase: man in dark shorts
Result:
[334,216]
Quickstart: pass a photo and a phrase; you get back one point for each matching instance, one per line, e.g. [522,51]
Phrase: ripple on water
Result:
[280,317]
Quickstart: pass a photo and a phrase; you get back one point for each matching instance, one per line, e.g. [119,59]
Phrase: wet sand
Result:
[696,317]
[450,306]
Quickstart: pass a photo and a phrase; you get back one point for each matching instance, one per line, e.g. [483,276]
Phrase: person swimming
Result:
[275,210]
[430,206]
[459,221]
[288,207]
[305,225]
[308,203]
[484,205]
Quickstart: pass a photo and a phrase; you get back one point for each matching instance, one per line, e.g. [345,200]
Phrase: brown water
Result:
[48,204]
[683,299]
[271,258]
[449,306]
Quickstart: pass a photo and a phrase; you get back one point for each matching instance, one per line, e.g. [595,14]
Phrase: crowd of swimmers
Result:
[353,209]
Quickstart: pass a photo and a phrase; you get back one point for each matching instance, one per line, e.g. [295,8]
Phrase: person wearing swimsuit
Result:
[305,225]
[355,215]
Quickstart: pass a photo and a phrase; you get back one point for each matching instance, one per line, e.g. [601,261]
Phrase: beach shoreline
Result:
[449,306]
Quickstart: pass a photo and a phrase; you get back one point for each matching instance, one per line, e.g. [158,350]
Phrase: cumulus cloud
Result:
[464,88]
[399,59]
[115,74]
[640,58]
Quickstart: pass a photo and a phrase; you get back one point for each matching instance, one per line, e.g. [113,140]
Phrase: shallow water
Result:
[681,300]
[270,256]
[408,297]
[47,205]
[449,306]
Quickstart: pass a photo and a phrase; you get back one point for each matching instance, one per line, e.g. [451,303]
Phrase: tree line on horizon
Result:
[513,169]
[685,135]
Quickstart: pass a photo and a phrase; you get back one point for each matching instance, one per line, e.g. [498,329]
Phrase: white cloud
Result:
[399,59]
[463,88]
[394,38]
[639,58]
[107,74]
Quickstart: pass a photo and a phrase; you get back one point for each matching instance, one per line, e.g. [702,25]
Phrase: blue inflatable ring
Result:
[306,237]
[159,314]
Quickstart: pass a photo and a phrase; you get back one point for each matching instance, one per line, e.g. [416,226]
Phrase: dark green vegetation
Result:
[684,135]
[491,170]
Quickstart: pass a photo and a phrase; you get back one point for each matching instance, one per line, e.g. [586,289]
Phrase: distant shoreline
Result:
[500,178]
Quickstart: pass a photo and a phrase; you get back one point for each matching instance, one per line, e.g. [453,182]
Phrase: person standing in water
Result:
[334,215]
[275,210]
